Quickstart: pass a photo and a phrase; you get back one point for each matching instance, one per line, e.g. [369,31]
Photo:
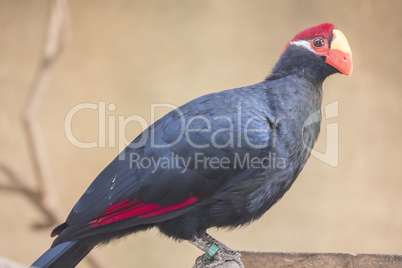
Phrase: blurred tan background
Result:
[136,53]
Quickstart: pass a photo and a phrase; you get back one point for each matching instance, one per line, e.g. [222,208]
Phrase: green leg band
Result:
[211,251]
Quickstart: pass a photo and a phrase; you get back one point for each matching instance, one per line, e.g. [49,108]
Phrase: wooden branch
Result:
[319,260]
[314,260]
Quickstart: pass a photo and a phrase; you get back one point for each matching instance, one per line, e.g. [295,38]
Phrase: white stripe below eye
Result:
[302,43]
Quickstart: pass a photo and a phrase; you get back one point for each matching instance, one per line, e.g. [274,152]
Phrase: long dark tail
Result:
[65,255]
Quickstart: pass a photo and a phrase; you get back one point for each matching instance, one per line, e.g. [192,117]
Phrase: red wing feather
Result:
[131,208]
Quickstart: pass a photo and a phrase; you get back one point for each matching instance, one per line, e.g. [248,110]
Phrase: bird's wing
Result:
[168,168]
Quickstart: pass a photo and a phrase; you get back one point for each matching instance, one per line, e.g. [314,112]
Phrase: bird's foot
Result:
[216,254]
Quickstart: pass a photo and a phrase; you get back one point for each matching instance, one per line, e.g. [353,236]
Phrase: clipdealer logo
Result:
[110,123]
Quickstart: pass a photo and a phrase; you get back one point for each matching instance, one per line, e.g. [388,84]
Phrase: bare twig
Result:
[4,263]
[54,42]
[58,33]
[17,186]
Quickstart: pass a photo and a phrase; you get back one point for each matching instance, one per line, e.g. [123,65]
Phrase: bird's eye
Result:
[318,42]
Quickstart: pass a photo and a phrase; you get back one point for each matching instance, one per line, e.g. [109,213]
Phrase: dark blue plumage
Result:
[264,123]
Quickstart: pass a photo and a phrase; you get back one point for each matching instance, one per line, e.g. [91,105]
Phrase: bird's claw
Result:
[222,259]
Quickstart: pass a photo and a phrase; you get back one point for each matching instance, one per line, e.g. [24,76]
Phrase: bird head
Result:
[327,42]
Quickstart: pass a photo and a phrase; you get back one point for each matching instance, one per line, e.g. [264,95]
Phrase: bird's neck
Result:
[303,63]
[295,96]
